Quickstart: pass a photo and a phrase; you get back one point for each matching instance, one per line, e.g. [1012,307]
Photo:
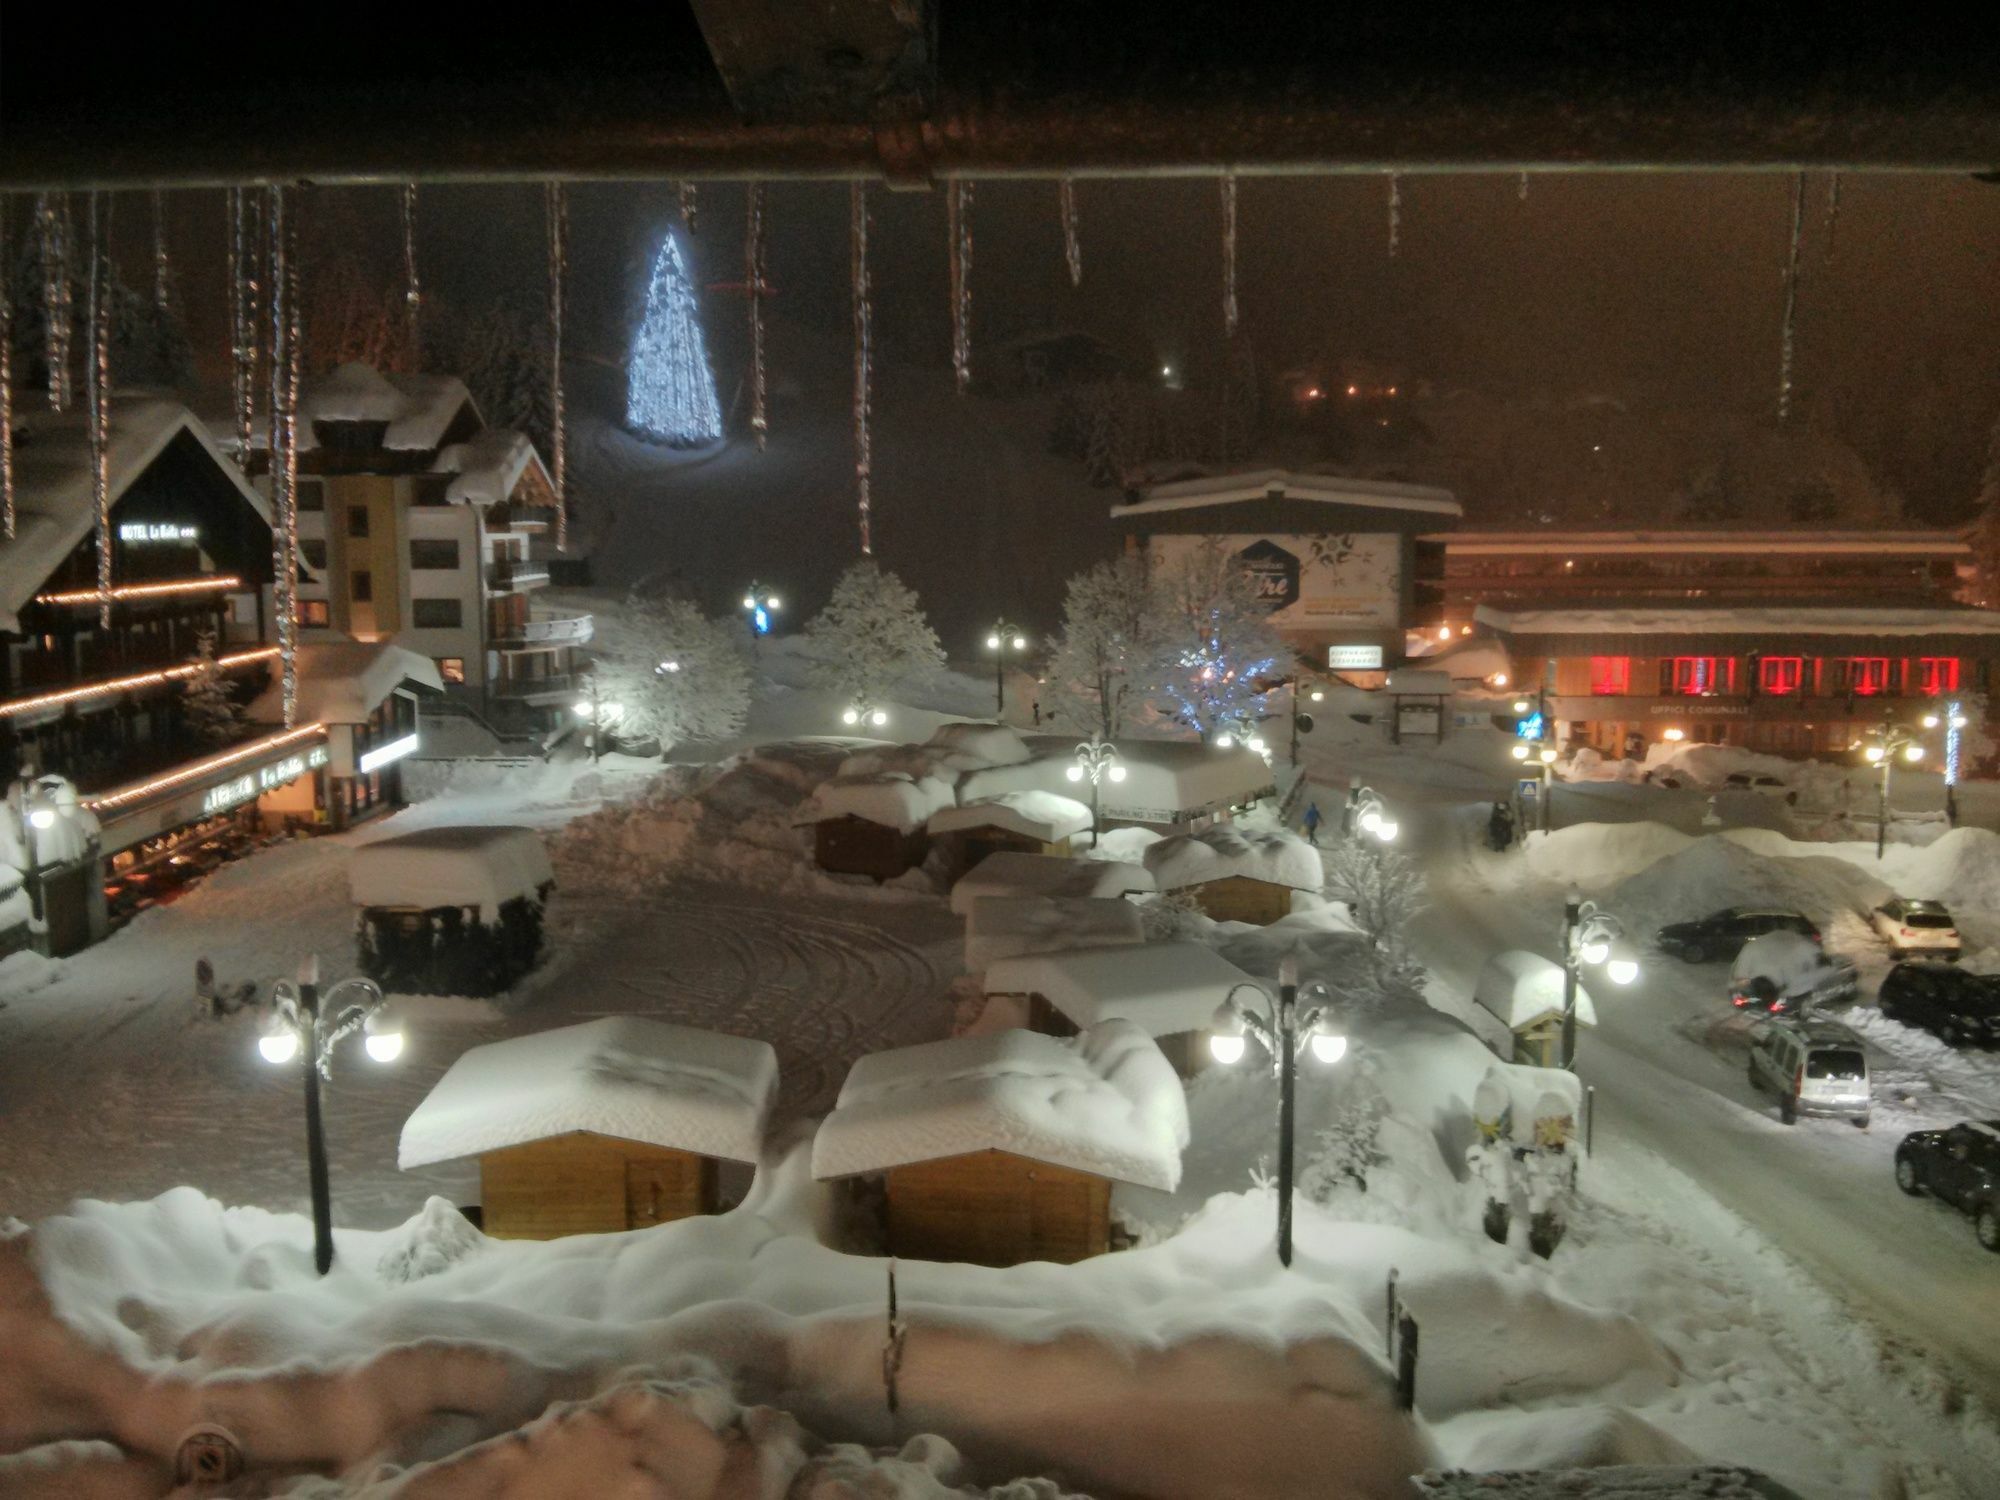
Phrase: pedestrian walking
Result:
[1312,822]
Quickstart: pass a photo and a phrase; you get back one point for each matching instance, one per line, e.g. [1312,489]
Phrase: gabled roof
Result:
[1013,872]
[1162,988]
[486,469]
[344,681]
[1287,484]
[1046,817]
[418,408]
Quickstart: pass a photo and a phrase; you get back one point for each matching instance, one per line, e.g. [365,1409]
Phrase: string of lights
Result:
[863,317]
[217,583]
[99,393]
[1229,253]
[138,791]
[16,707]
[6,383]
[556,204]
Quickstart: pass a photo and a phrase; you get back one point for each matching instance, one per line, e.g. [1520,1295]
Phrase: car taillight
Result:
[1776,1006]
[1738,999]
[1799,1080]
[1905,932]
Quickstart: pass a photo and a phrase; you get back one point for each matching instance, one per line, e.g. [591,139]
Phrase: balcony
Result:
[506,577]
[544,633]
[556,687]
[514,516]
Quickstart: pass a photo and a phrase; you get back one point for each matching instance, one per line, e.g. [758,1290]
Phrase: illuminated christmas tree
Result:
[670,393]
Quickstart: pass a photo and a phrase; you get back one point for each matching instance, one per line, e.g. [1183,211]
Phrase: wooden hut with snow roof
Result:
[1029,822]
[455,910]
[1004,1148]
[1236,874]
[614,1124]
[873,822]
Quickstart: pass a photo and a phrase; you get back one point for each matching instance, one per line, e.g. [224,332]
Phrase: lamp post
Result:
[600,713]
[1285,1030]
[857,714]
[1590,936]
[1302,723]
[1891,741]
[36,812]
[1953,721]
[759,605]
[1095,759]
[1367,813]
[1545,756]
[307,1025]
[1001,639]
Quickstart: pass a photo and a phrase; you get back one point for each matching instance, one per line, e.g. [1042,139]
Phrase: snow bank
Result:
[1595,856]
[1712,873]
[1162,988]
[983,744]
[454,865]
[892,799]
[1523,988]
[1042,816]
[1003,926]
[1105,1101]
[622,1076]
[1274,855]
[1165,780]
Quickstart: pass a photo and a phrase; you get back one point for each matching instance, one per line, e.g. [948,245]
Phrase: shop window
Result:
[1781,675]
[1864,676]
[451,668]
[361,586]
[1689,677]
[1610,675]
[434,554]
[436,614]
[357,520]
[313,612]
[1937,675]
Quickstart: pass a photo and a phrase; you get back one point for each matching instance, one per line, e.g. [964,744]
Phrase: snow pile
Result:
[417,408]
[1003,926]
[1713,873]
[1594,856]
[622,1076]
[1012,872]
[1042,816]
[1791,961]
[1962,869]
[1523,989]
[1276,856]
[454,865]
[1164,780]
[892,799]
[1105,1102]
[438,1237]
[978,745]
[1162,988]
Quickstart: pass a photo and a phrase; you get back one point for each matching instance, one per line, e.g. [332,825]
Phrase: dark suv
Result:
[1720,934]
[1961,1009]
[1960,1165]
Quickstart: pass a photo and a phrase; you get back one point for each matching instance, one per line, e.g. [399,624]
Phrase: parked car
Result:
[1960,1165]
[1917,927]
[1770,786]
[1961,1009]
[1721,934]
[1815,1067]
[1786,971]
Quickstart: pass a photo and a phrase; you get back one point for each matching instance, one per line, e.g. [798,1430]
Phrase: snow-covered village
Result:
[898,751]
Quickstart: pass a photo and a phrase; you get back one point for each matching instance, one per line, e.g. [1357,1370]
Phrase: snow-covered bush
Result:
[1348,1145]
[1383,892]
[1097,672]
[676,674]
[1216,648]
[872,637]
[1173,915]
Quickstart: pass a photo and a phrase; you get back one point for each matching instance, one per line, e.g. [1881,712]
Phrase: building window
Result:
[451,668]
[313,551]
[1781,675]
[437,614]
[1863,676]
[1937,675]
[1689,676]
[313,612]
[312,495]
[361,586]
[434,554]
[1610,675]
[357,520]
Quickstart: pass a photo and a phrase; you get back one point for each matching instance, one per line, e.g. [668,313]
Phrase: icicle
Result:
[556,201]
[163,266]
[863,294]
[1072,246]
[1523,192]
[1395,213]
[1229,254]
[413,292]
[285,352]
[98,392]
[52,230]
[6,380]
[1791,299]
[687,205]
[1832,212]
[243,338]
[753,272]
[960,227]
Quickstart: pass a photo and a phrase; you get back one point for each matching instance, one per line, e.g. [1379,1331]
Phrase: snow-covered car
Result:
[1917,927]
[1770,786]
[1959,1008]
[1785,971]
[1815,1067]
[1722,934]
[1961,1166]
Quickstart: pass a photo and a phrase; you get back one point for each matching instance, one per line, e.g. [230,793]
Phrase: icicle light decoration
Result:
[1229,254]
[753,273]
[6,380]
[413,291]
[863,294]
[52,231]
[556,203]
[960,227]
[687,202]
[98,393]
[284,304]
[1523,189]
[243,243]
[163,266]
[1072,246]
[1832,212]
[1395,213]
[1791,300]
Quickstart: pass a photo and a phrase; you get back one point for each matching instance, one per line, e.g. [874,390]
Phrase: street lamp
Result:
[864,713]
[36,810]
[1367,813]
[1285,1031]
[600,713]
[1001,639]
[1891,742]
[1096,760]
[1595,937]
[306,1024]
[759,605]
[1545,756]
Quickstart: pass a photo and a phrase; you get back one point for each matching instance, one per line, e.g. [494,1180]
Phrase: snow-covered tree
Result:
[1348,1145]
[1383,892]
[1216,651]
[1111,621]
[211,711]
[872,637]
[670,393]
[675,674]
[149,347]
[501,352]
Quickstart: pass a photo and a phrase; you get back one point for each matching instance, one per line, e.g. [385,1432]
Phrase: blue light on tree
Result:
[760,619]
[670,394]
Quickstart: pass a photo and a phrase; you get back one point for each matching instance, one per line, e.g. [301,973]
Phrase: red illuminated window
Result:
[1781,674]
[1937,674]
[1864,676]
[1689,676]
[1610,675]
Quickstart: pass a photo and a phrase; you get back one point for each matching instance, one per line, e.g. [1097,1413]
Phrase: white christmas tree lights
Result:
[671,390]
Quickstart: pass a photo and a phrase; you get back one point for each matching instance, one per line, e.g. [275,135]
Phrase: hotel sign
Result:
[264,779]
[158,531]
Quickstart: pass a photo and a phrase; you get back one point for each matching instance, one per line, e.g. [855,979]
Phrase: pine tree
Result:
[502,354]
[211,710]
[675,674]
[671,385]
[149,347]
[872,637]
[1216,654]
[1111,622]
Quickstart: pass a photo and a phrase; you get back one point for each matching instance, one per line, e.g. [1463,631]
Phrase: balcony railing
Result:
[537,689]
[544,632]
[517,575]
[514,516]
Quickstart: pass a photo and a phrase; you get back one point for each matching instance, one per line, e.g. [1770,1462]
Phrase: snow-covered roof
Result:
[1014,873]
[1669,619]
[1616,1482]
[418,408]
[456,865]
[623,1076]
[1416,681]
[486,469]
[987,744]
[1705,543]
[1276,856]
[1286,484]
[53,494]
[1162,988]
[1105,1102]
[343,682]
[1790,960]
[1164,779]
[1003,926]
[1044,816]
[1523,988]
[890,798]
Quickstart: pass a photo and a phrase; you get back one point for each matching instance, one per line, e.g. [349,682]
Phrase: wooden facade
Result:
[581,1183]
[854,846]
[964,848]
[1241,898]
[992,1208]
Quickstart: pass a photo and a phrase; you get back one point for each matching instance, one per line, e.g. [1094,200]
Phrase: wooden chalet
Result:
[1237,876]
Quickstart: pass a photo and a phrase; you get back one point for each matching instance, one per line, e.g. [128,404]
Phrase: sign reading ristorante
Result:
[263,779]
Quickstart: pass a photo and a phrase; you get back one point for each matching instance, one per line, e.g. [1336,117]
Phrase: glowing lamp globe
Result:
[1520,705]
[851,716]
[772,602]
[1521,751]
[748,602]
[384,1046]
[1930,721]
[1622,970]
[1874,752]
[1595,951]
[1225,741]
[1225,1049]
[1318,696]
[1386,830]
[1020,643]
[42,817]
[1328,1047]
[1548,755]
[1256,742]
[278,1046]
[878,718]
[1370,821]
[1913,753]
[1117,773]
[993,643]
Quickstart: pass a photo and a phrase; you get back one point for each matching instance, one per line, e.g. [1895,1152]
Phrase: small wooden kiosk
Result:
[450,911]
[1002,1149]
[614,1124]
[1523,991]
[1013,822]
[1237,875]
[1002,926]
[1010,874]
[873,824]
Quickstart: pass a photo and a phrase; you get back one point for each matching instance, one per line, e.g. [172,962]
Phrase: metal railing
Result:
[546,630]
[517,575]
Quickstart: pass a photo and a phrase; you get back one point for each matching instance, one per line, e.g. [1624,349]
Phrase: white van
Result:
[1815,1067]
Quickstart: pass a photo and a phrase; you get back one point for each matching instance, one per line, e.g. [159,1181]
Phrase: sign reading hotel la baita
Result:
[1330,579]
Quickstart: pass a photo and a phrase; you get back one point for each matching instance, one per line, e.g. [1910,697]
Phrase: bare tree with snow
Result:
[675,674]
[872,637]
[1097,672]
[210,708]
[1383,892]
[1217,654]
